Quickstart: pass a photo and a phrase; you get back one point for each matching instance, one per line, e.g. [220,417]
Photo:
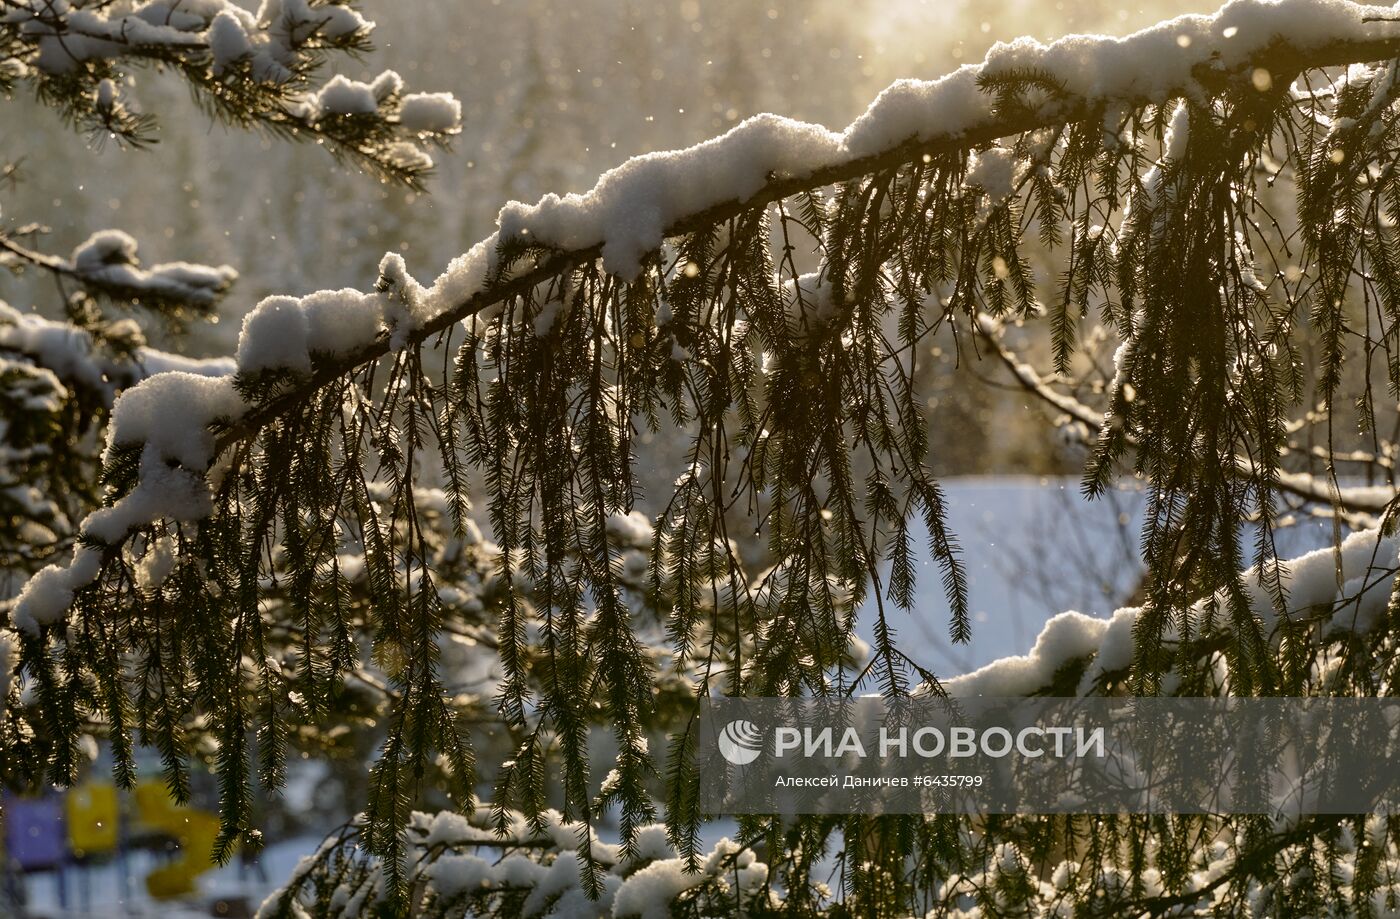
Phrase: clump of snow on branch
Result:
[169,428]
[341,96]
[108,260]
[428,113]
[1148,211]
[996,171]
[167,418]
[284,333]
[228,41]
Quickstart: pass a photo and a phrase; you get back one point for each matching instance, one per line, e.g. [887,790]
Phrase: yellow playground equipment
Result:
[94,819]
[194,830]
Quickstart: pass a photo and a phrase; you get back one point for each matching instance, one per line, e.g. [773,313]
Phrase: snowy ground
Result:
[1033,547]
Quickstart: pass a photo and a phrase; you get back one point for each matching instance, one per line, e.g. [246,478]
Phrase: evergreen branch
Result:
[247,71]
[1280,57]
[106,266]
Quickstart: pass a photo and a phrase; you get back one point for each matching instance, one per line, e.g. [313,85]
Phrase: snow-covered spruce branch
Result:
[462,865]
[780,159]
[106,265]
[249,69]
[537,876]
[58,381]
[1343,594]
[104,363]
[635,208]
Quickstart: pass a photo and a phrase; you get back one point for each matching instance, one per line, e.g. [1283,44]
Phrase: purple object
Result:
[35,837]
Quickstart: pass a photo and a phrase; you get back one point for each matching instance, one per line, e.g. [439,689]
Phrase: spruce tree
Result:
[1218,192]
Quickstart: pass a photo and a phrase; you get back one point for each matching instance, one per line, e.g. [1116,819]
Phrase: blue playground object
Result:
[36,838]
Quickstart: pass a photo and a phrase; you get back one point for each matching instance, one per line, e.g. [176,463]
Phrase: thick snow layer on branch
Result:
[47,595]
[628,209]
[108,259]
[169,415]
[342,96]
[282,332]
[285,332]
[631,207]
[1351,598]
[176,447]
